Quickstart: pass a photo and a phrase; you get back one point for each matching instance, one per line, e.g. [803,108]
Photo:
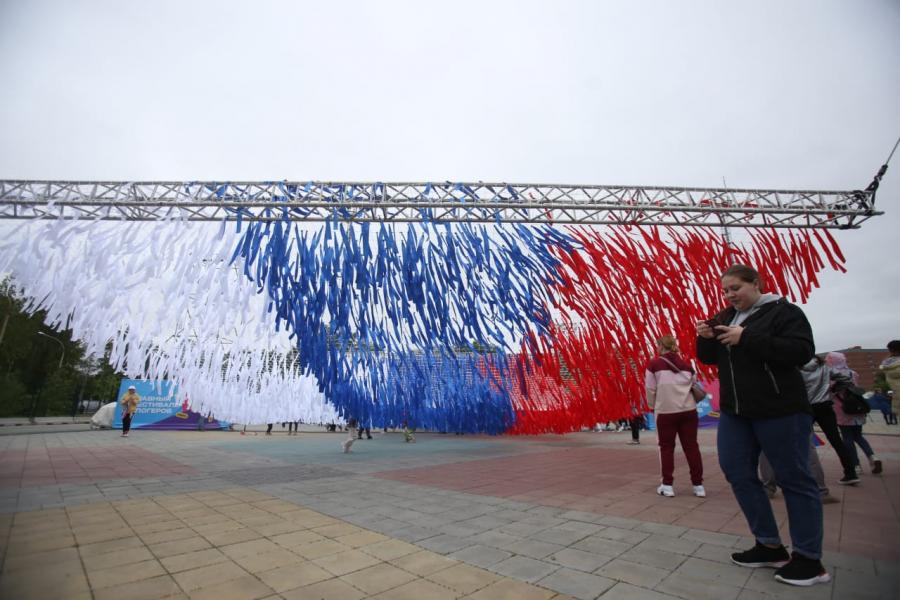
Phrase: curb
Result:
[45,423]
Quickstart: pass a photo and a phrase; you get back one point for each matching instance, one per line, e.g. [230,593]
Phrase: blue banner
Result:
[160,409]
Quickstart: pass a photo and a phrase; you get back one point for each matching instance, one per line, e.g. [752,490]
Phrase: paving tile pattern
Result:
[265,475]
[612,480]
[219,515]
[113,549]
[37,466]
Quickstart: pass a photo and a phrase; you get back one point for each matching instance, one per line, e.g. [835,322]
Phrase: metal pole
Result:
[59,367]
[61,345]
[80,396]
[3,329]
[34,402]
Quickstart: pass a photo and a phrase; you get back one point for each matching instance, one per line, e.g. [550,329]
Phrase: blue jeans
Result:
[785,443]
[852,435]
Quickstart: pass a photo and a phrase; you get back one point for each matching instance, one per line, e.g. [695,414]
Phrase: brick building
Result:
[865,361]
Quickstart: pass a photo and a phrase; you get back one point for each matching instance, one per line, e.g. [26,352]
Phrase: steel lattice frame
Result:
[438,202]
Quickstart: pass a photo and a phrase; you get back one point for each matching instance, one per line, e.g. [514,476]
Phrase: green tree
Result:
[32,380]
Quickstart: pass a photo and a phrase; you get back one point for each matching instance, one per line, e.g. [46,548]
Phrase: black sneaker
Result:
[849,478]
[802,571]
[762,556]
[876,467]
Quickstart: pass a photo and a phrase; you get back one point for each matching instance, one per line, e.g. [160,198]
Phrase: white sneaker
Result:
[699,491]
[666,490]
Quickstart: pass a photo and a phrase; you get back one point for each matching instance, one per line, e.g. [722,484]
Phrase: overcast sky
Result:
[767,94]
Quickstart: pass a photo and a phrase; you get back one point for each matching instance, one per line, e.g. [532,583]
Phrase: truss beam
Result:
[436,202]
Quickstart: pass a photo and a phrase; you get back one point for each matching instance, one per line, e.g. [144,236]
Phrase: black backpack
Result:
[851,398]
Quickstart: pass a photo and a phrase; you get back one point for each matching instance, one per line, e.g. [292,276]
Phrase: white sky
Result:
[769,94]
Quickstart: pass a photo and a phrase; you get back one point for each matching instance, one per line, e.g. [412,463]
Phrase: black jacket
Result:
[760,377]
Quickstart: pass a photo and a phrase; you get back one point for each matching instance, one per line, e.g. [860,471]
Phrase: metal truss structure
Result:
[435,202]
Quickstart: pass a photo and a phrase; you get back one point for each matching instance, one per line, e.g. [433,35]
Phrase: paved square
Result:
[221,515]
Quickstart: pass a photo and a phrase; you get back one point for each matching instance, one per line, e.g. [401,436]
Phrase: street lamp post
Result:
[61,357]
[61,345]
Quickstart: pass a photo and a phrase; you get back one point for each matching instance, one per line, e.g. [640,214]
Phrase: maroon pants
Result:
[684,425]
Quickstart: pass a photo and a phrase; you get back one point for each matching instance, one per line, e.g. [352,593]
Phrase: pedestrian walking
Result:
[351,436]
[409,435]
[767,475]
[817,379]
[758,343]
[634,424]
[851,425]
[129,403]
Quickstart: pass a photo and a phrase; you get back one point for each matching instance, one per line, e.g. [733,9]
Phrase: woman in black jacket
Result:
[758,343]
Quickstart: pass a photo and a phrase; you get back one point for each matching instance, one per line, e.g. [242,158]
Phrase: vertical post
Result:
[34,404]
[3,328]
[80,397]
[58,368]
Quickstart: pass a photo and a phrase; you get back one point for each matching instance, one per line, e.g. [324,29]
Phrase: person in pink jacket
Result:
[668,380]
[851,426]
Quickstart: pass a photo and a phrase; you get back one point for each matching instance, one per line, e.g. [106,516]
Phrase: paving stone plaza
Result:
[89,514]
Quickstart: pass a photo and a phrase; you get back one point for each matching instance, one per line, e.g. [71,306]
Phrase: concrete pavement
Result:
[90,514]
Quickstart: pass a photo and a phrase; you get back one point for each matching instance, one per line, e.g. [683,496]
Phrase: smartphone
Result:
[712,323]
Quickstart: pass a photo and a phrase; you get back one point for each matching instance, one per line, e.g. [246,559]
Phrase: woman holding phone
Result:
[759,344]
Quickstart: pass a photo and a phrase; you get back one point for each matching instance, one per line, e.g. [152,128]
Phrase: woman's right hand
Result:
[705,331]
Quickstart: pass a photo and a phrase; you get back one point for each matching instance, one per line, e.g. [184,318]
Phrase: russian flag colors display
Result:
[493,328]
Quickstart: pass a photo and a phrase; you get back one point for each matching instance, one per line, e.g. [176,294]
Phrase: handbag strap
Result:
[693,377]
[674,366]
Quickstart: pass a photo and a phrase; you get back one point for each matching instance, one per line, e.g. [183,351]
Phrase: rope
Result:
[876,181]
[891,155]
